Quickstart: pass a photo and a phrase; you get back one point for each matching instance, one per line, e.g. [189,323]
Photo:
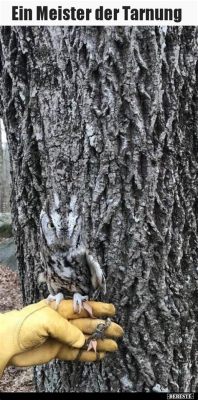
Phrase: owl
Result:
[69,272]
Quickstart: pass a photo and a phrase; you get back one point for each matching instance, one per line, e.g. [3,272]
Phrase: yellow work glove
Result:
[38,333]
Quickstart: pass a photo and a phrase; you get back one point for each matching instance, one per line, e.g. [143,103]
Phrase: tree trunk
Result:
[4,176]
[1,172]
[107,118]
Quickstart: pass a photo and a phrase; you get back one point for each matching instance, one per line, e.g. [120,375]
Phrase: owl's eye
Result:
[50,225]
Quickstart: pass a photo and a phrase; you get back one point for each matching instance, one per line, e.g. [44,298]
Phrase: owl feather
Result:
[69,271]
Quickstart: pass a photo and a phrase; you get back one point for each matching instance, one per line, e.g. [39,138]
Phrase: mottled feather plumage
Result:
[68,270]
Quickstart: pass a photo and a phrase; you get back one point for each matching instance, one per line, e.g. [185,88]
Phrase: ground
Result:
[14,379]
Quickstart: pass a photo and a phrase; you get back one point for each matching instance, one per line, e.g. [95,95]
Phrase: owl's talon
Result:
[97,276]
[92,345]
[57,298]
[78,301]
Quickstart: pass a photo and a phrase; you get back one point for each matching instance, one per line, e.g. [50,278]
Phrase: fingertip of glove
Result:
[91,356]
[79,342]
[114,346]
[101,355]
[107,345]
[119,331]
[103,309]
[115,330]
[112,309]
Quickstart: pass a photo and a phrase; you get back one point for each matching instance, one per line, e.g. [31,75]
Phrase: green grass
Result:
[6,231]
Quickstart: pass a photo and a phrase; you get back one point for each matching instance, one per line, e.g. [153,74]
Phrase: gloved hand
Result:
[37,334]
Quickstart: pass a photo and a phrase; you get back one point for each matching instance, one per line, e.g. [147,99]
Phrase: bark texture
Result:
[1,170]
[4,177]
[107,117]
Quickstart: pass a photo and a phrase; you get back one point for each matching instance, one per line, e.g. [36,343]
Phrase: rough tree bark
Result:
[107,117]
[1,171]
[4,178]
